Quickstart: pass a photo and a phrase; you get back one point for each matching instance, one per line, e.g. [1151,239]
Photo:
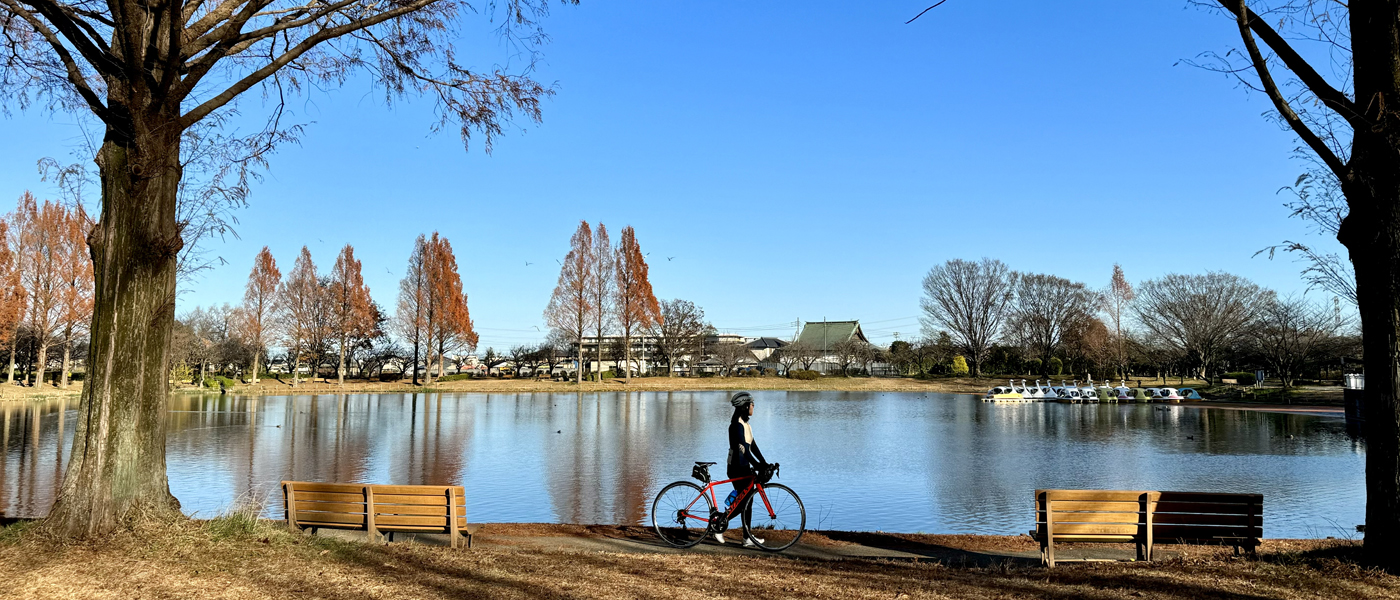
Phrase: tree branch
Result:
[95,53]
[306,45]
[1244,16]
[1330,96]
[75,74]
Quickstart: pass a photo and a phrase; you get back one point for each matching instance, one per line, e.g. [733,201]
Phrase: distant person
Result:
[745,459]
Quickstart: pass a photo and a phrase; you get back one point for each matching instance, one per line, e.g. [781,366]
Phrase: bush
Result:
[456,377]
[1241,377]
[1057,366]
[804,375]
[959,366]
[390,376]
[180,372]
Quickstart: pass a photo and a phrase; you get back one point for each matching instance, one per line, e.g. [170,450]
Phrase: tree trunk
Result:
[41,364]
[578,373]
[340,369]
[117,469]
[14,347]
[627,356]
[257,357]
[66,372]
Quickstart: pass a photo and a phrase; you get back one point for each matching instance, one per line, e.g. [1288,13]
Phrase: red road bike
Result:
[684,514]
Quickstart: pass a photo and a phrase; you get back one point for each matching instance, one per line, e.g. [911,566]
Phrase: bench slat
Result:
[307,519]
[1205,532]
[1212,497]
[1208,508]
[416,490]
[390,520]
[1183,519]
[328,497]
[1114,506]
[439,511]
[333,507]
[422,529]
[337,488]
[1096,495]
[1062,529]
[1086,517]
[438,500]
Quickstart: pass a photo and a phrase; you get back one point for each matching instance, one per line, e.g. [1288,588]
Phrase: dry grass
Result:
[250,559]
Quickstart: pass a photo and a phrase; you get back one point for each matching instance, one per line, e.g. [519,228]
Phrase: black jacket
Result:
[744,458]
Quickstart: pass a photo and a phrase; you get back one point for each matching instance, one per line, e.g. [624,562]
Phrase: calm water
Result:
[862,461]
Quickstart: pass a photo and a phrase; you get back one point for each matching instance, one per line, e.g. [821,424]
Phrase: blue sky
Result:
[797,160]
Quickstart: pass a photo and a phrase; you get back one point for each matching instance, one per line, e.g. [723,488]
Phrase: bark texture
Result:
[117,470]
[1371,233]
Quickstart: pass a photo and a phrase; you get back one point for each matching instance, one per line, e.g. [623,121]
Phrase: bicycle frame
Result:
[754,486]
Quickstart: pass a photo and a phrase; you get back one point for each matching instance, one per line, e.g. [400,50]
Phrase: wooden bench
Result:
[380,510]
[1205,518]
[1104,516]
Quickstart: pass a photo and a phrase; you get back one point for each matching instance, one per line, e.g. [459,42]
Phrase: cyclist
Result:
[745,459]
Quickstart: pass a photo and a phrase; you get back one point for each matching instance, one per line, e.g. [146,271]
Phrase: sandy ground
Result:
[237,559]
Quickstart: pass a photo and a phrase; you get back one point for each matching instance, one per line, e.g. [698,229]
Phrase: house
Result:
[823,335]
[764,347]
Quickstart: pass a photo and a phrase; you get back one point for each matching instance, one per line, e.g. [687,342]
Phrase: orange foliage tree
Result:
[449,322]
[352,313]
[75,296]
[259,305]
[13,299]
[570,307]
[41,259]
[635,304]
[298,300]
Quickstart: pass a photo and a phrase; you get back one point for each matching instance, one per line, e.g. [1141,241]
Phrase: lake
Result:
[936,463]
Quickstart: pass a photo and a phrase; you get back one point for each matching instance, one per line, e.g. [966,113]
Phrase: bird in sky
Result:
[670,258]
[528,263]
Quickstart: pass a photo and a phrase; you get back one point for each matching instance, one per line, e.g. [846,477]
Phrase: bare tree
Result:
[1118,300]
[786,357]
[411,313]
[804,353]
[679,331]
[1198,315]
[299,303]
[1289,332]
[1046,307]
[571,306]
[730,355]
[520,357]
[969,300]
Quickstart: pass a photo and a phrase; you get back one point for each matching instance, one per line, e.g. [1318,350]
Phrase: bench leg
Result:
[1050,553]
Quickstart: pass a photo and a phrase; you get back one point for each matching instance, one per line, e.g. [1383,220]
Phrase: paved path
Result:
[839,547]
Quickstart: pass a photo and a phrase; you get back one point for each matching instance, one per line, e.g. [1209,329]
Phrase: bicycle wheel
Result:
[779,522]
[681,514]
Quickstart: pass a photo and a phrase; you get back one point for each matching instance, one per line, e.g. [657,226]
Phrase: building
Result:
[764,347]
[823,335]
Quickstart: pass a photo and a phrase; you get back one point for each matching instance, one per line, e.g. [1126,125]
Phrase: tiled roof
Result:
[766,342]
[825,333]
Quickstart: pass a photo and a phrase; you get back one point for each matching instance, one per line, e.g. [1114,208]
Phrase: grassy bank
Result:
[238,558]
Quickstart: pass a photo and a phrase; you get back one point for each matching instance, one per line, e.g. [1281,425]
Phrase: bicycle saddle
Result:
[704,464]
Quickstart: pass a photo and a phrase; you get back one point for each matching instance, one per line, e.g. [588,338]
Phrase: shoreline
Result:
[961,386]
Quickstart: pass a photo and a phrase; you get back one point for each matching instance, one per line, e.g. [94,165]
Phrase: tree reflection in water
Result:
[907,462]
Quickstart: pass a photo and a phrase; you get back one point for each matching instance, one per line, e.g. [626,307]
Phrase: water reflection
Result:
[911,462]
